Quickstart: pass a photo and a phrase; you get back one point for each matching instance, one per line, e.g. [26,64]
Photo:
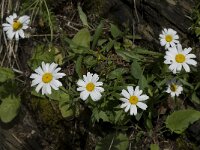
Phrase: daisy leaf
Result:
[9,108]
[113,142]
[179,121]
[6,74]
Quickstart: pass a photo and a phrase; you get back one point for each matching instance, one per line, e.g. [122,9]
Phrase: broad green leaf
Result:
[129,55]
[9,108]
[33,92]
[154,147]
[90,61]
[113,142]
[64,101]
[59,95]
[143,82]
[136,70]
[197,31]
[179,121]
[82,16]
[143,51]
[117,73]
[65,109]
[6,74]
[187,83]
[195,98]
[79,66]
[78,49]
[101,42]
[103,116]
[97,34]
[82,38]
[58,57]
[119,115]
[117,45]
[115,32]
[40,54]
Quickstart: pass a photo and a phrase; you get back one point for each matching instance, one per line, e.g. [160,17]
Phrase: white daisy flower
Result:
[46,77]
[132,99]
[90,87]
[174,88]
[177,58]
[168,38]
[15,26]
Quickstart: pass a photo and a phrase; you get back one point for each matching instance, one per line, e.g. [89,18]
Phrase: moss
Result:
[184,144]
[47,112]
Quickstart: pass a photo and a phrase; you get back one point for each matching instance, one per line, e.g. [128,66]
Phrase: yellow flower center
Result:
[90,87]
[180,58]
[173,87]
[17,25]
[168,38]
[133,100]
[47,77]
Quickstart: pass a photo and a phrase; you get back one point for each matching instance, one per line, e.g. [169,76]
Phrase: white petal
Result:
[81,89]
[191,62]
[143,97]
[176,37]
[98,83]
[7,25]
[95,95]
[44,67]
[44,89]
[124,100]
[56,83]
[137,91]
[21,33]
[85,79]
[190,56]
[59,75]
[127,107]
[125,94]
[99,89]
[24,27]
[9,20]
[35,82]
[47,67]
[56,70]
[142,105]
[34,75]
[48,88]
[186,67]
[172,67]
[172,94]
[162,42]
[187,50]
[14,15]
[52,67]
[10,34]
[124,105]
[89,76]
[133,110]
[17,35]
[95,78]
[179,67]
[130,90]
[7,28]
[84,95]
[39,71]
[40,85]
[53,85]
[81,83]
